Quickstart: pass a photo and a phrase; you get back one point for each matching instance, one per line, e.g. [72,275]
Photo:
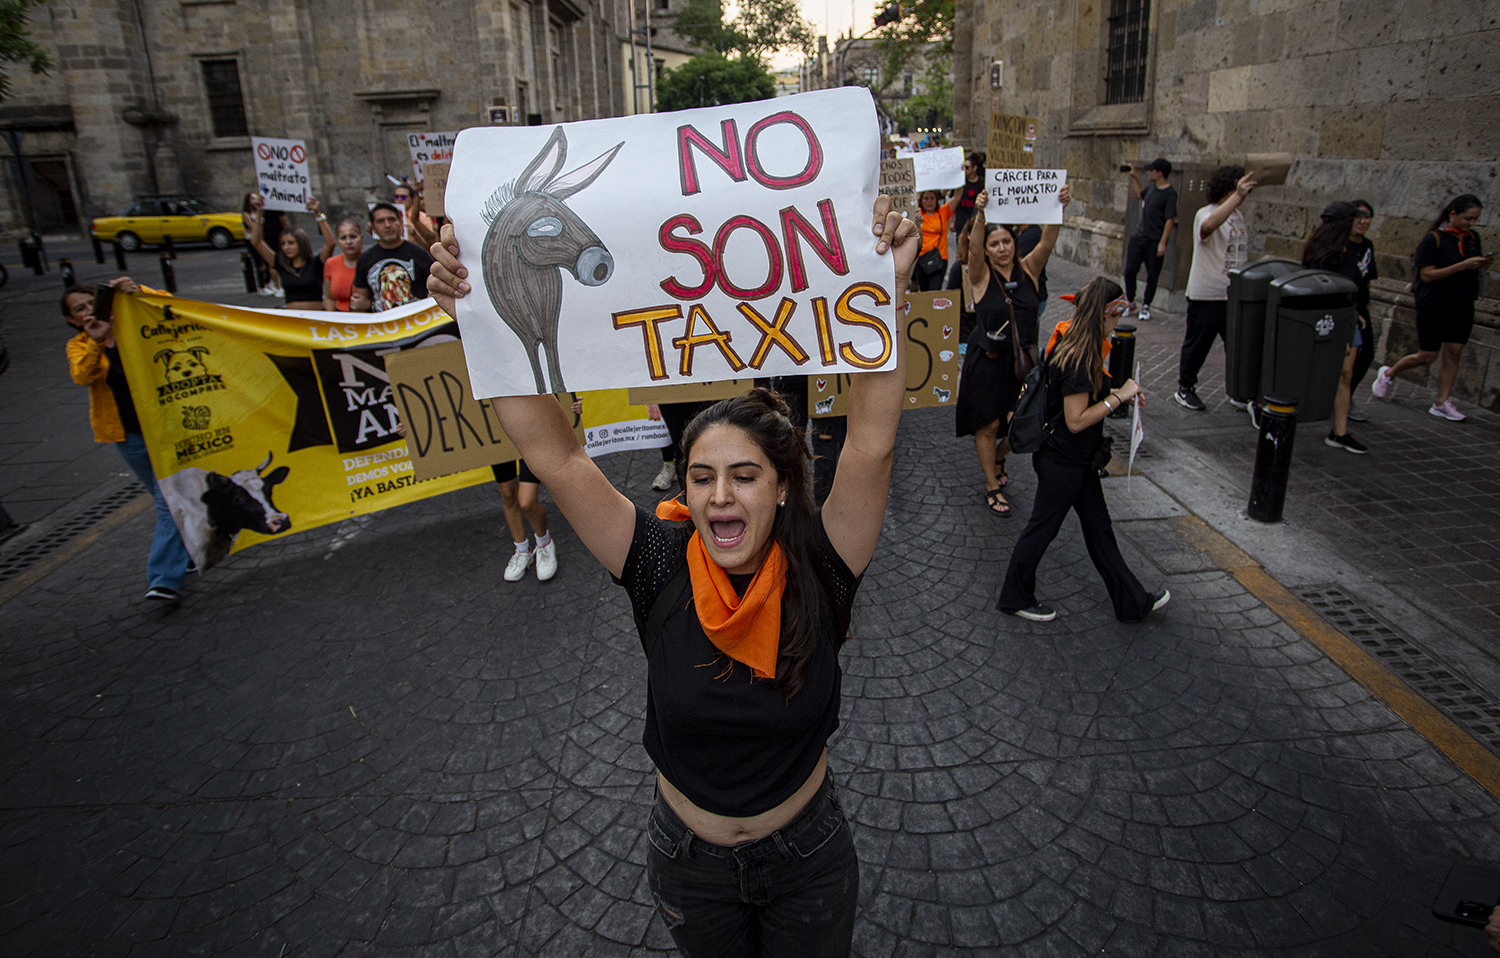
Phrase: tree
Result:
[712,79]
[917,42]
[16,45]
[761,28]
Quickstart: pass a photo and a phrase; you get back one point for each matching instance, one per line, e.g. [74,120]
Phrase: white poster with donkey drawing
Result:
[703,245]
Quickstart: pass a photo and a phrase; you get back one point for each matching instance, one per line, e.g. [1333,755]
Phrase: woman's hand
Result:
[1065,195]
[653,412]
[313,206]
[1475,262]
[899,235]
[446,280]
[1246,184]
[1128,391]
[96,328]
[124,284]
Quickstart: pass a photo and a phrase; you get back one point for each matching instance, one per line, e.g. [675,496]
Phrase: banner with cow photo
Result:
[701,245]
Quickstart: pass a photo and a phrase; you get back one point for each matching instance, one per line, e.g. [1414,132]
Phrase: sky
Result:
[830,18]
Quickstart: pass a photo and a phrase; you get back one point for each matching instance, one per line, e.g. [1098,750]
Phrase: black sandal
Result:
[993,498]
[1002,477]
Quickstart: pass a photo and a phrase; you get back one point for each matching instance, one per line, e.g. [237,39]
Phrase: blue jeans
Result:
[168,561]
[791,894]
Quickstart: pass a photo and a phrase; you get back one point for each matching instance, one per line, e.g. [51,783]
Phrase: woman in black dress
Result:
[1003,289]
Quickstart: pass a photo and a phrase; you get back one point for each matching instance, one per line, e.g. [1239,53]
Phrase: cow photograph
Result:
[211,509]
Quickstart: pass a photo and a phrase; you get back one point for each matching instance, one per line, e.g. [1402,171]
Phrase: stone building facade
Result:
[1390,101]
[161,96]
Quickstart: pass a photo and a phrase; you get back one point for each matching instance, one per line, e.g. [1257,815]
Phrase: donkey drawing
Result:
[532,235]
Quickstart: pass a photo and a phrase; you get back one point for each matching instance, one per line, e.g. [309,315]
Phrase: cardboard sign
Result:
[281,172]
[662,248]
[1012,143]
[930,338]
[937,169]
[1270,169]
[1024,196]
[691,392]
[447,430]
[434,185]
[898,180]
[430,148]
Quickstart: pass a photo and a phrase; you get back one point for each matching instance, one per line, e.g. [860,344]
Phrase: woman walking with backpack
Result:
[1448,262]
[1078,401]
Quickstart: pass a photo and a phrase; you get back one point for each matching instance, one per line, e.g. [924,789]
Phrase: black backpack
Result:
[1029,427]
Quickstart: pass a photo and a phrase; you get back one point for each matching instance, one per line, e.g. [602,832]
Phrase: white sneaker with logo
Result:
[1447,411]
[516,567]
[546,561]
[1381,387]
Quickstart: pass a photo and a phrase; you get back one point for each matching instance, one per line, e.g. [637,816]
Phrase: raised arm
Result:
[257,238]
[979,271]
[1036,260]
[603,519]
[329,242]
[419,231]
[856,504]
[1227,206]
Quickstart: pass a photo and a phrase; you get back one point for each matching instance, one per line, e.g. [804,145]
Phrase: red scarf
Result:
[747,628]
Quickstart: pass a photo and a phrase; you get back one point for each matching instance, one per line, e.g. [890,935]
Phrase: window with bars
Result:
[226,104]
[1125,72]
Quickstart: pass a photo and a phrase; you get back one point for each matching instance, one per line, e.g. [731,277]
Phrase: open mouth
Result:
[727,533]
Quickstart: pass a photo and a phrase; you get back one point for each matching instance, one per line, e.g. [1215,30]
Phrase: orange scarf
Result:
[747,628]
[1062,327]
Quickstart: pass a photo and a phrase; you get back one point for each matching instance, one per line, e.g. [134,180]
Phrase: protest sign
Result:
[265,422]
[1270,169]
[612,422]
[663,248]
[1137,431]
[1012,143]
[691,392]
[434,185]
[937,169]
[430,148]
[1024,196]
[930,338]
[898,180]
[281,172]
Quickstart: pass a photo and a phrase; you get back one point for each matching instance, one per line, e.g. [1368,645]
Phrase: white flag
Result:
[1137,433]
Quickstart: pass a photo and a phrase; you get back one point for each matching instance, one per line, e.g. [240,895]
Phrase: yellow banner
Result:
[265,422]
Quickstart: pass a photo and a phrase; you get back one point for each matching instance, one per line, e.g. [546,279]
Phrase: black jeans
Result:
[792,893]
[1062,486]
[1142,249]
[1205,320]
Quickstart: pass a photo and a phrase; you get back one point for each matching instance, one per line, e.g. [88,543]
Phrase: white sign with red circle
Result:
[281,172]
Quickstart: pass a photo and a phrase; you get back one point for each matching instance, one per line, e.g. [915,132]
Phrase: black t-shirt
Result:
[1157,206]
[1076,448]
[1359,265]
[304,284]
[1443,248]
[966,196]
[728,741]
[394,277]
[115,377]
[1025,243]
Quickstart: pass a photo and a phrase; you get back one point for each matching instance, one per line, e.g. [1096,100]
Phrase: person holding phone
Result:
[1449,261]
[94,362]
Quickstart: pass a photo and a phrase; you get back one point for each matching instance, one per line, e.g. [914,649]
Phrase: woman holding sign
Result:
[749,852]
[1006,296]
[300,271]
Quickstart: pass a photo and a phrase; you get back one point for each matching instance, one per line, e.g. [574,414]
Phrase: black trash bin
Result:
[1245,327]
[1309,322]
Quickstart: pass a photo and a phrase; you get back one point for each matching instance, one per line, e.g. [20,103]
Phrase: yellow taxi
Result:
[186,221]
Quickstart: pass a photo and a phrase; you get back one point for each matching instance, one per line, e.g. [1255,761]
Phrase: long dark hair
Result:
[765,417]
[1460,203]
[977,159]
[1331,238]
[1082,346]
[304,247]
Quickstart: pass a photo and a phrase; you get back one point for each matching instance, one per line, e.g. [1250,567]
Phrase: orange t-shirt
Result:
[340,280]
[935,230]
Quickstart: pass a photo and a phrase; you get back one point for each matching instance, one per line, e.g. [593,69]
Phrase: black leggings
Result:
[1142,250]
[1062,486]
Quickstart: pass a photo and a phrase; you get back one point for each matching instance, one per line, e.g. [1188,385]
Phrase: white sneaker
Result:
[1145,313]
[1241,406]
[546,561]
[1381,387]
[664,478]
[1447,411]
[267,291]
[1357,414]
[516,567]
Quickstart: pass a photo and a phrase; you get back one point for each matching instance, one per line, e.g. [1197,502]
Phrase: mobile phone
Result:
[1126,167]
[104,297]
[1468,896]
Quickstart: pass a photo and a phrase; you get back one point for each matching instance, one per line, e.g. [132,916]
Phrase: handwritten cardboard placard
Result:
[691,392]
[281,172]
[1012,143]
[662,248]
[430,148]
[898,180]
[1270,169]
[930,338]
[434,185]
[447,430]
[1024,196]
[937,169]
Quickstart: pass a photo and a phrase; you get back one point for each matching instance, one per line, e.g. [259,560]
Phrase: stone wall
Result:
[1390,101]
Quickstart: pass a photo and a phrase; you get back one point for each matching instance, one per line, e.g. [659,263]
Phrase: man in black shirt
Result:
[393,272]
[1148,244]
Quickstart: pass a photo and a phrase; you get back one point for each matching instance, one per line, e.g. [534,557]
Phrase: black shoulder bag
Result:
[1029,427]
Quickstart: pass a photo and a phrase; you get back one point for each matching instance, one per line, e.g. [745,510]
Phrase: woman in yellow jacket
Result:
[94,362]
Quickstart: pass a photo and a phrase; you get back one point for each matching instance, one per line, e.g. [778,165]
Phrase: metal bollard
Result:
[1121,363]
[65,270]
[98,250]
[247,266]
[168,274]
[166,242]
[1273,459]
[119,256]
